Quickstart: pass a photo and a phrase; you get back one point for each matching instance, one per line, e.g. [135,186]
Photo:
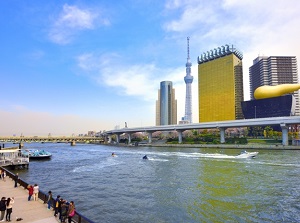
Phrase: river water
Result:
[174,185]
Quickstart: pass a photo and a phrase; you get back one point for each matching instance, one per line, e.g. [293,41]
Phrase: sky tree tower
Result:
[188,79]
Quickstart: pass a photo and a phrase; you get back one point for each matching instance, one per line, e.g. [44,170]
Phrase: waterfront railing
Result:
[77,218]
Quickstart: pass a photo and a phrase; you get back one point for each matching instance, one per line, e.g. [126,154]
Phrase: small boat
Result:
[245,154]
[36,154]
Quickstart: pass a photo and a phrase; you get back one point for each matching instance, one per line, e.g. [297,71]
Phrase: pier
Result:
[12,157]
[31,211]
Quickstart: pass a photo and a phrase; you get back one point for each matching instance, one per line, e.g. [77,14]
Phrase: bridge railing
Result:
[77,218]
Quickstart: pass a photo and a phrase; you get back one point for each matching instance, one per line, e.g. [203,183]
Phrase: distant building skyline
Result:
[220,84]
[188,79]
[274,70]
[166,105]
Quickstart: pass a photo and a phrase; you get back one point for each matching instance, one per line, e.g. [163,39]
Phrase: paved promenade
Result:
[30,211]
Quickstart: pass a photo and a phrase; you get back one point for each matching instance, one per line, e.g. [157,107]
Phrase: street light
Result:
[255,111]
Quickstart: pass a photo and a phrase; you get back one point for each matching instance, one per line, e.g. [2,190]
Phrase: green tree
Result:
[268,131]
[255,131]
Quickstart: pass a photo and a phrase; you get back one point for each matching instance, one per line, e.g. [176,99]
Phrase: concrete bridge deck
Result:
[29,211]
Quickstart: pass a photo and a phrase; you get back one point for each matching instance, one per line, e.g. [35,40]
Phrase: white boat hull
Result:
[247,155]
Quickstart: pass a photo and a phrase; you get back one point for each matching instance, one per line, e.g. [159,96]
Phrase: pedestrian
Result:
[9,204]
[56,205]
[49,200]
[16,179]
[63,210]
[2,208]
[60,208]
[71,211]
[3,174]
[30,191]
[36,192]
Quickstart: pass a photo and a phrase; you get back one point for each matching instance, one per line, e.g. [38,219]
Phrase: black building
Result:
[269,107]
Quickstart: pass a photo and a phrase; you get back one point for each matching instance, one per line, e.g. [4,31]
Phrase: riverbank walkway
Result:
[29,211]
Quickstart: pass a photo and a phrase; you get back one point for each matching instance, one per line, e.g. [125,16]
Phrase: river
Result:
[173,185]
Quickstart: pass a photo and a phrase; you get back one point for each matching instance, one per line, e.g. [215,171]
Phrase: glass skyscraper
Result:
[166,105]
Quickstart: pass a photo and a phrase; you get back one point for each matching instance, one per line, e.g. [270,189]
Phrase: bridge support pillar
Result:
[129,138]
[118,138]
[21,145]
[73,143]
[285,136]
[179,136]
[109,138]
[149,137]
[222,135]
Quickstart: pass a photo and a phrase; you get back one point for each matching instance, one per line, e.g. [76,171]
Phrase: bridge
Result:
[284,123]
[59,139]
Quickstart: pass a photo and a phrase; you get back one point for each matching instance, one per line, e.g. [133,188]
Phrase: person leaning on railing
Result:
[16,179]
[71,211]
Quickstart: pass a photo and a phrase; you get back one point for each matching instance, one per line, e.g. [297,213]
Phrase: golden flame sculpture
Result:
[275,91]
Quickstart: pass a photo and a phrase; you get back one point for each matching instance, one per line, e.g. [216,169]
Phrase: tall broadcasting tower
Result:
[188,79]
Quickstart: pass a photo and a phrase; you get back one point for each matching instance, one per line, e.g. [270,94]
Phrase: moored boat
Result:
[36,154]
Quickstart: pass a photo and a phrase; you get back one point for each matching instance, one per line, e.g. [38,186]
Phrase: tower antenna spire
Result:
[188,48]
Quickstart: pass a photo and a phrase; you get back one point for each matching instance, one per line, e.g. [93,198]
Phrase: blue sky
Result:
[68,67]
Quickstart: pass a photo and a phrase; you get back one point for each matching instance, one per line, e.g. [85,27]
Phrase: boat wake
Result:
[89,168]
[212,155]
[279,164]
[157,159]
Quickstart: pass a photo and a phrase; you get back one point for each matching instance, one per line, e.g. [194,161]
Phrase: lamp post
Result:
[254,111]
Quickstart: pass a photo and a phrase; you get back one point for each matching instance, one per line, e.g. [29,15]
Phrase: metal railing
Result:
[77,218]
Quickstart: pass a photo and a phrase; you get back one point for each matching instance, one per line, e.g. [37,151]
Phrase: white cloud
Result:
[175,4]
[71,20]
[191,17]
[251,24]
[140,80]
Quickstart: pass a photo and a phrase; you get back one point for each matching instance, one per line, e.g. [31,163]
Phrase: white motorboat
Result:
[36,154]
[245,154]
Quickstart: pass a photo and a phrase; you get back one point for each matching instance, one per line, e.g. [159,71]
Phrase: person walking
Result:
[16,179]
[30,191]
[49,200]
[56,205]
[36,192]
[3,174]
[2,208]
[9,204]
[71,211]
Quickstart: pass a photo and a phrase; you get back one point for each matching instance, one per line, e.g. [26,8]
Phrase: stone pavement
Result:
[30,211]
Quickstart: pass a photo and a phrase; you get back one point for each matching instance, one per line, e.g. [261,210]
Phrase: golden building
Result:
[220,84]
